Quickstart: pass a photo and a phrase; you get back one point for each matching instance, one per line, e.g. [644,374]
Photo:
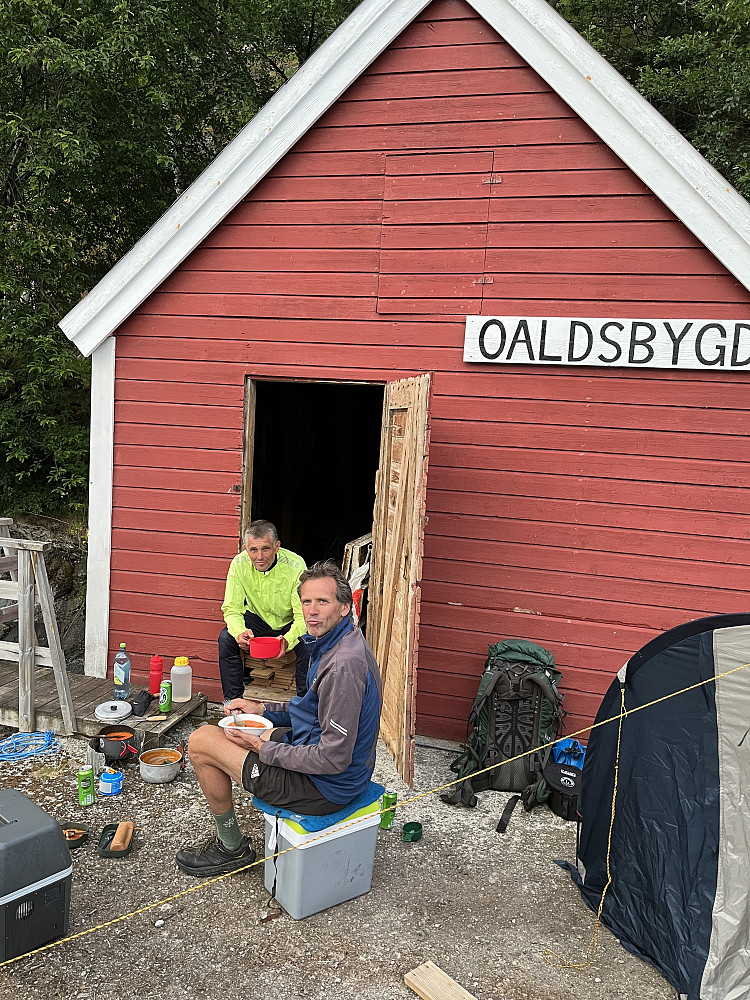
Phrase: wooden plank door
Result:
[398,532]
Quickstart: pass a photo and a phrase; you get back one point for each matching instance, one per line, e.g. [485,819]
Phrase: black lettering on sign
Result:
[720,350]
[521,336]
[612,343]
[543,356]
[636,341]
[574,325]
[676,340]
[483,333]
[738,329]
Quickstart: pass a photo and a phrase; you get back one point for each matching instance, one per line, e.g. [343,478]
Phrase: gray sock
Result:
[229,832]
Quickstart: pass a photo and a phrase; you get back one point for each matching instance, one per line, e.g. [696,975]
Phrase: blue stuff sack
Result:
[569,752]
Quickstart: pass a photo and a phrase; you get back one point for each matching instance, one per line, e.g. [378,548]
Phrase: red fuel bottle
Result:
[155,674]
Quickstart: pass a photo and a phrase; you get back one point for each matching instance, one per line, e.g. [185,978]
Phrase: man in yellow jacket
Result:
[261,599]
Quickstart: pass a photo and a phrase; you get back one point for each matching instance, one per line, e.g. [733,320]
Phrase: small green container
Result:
[86,786]
[389,813]
[165,696]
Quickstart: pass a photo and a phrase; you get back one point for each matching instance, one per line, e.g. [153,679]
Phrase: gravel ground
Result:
[484,908]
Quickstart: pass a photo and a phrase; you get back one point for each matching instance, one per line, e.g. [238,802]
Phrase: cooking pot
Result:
[116,743]
[161,764]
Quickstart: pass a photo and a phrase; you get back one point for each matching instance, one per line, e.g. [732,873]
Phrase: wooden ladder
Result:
[28,586]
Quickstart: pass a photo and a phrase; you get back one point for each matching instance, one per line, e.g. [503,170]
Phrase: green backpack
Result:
[517,707]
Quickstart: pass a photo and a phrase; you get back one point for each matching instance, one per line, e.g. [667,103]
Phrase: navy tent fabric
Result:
[677,819]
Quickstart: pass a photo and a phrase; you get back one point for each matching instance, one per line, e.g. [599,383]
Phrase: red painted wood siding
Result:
[586,510]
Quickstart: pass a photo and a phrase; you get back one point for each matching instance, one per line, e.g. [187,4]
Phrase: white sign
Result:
[723,344]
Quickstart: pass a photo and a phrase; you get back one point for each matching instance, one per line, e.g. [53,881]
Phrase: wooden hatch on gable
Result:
[398,540]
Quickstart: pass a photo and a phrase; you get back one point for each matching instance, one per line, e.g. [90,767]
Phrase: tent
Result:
[681,830]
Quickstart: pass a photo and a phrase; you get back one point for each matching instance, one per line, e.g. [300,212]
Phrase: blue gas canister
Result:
[110,781]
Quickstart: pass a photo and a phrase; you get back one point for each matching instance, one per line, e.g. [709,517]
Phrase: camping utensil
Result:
[265,647]
[161,764]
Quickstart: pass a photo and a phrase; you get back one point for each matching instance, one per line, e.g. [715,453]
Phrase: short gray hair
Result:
[328,568]
[259,529]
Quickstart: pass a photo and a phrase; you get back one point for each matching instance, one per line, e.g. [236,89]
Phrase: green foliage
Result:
[109,109]
[691,59]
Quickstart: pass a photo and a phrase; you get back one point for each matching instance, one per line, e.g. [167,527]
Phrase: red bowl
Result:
[265,647]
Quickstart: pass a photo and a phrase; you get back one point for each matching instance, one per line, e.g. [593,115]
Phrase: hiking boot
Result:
[212,858]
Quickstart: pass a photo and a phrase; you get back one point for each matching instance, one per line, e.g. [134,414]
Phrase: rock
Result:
[65,561]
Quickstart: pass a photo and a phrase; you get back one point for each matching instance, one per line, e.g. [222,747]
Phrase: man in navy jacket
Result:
[320,754]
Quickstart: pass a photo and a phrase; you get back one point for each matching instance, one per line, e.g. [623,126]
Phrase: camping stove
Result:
[35,876]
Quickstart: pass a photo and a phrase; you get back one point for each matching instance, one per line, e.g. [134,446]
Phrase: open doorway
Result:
[311,453]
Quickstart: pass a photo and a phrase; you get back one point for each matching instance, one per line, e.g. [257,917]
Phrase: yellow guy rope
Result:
[547,955]
[415,798]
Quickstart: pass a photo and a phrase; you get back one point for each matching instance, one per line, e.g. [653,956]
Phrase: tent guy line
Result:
[590,955]
[624,713]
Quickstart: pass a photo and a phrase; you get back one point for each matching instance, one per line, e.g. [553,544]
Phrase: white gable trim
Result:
[646,142]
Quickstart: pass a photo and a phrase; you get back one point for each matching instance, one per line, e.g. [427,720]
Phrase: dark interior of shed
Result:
[315,452]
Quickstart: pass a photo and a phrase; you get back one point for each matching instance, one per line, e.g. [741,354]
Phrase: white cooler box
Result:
[327,867]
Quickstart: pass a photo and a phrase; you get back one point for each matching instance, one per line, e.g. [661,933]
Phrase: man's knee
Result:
[227,642]
[203,743]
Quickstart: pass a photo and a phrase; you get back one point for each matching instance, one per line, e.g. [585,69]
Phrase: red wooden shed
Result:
[457,224]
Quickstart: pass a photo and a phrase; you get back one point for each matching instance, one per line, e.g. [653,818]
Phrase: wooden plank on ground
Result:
[431,983]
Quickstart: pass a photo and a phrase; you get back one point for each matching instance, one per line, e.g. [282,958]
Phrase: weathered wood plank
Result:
[24,545]
[46,600]
[26,643]
[87,693]
[209,459]
[9,651]
[431,983]
[442,135]
[408,109]
[9,613]
[441,83]
[8,564]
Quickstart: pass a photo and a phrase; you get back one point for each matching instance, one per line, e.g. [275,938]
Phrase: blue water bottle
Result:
[122,674]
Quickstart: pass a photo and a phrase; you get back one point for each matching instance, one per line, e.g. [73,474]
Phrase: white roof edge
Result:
[663,159]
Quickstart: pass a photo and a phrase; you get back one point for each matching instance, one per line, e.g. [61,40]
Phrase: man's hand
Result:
[243,737]
[284,645]
[245,705]
[243,639]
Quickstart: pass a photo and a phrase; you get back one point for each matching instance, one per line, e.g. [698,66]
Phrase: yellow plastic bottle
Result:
[181,676]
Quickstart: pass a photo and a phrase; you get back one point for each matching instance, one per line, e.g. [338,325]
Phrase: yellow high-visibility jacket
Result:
[271,595]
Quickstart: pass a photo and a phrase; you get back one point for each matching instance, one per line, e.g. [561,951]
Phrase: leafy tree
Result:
[691,59]
[108,110]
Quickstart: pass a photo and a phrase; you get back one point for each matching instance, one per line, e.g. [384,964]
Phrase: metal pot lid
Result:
[113,711]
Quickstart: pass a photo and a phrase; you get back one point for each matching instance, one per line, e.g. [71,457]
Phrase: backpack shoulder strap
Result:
[510,805]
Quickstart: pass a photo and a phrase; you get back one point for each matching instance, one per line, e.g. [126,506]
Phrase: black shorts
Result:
[280,787]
